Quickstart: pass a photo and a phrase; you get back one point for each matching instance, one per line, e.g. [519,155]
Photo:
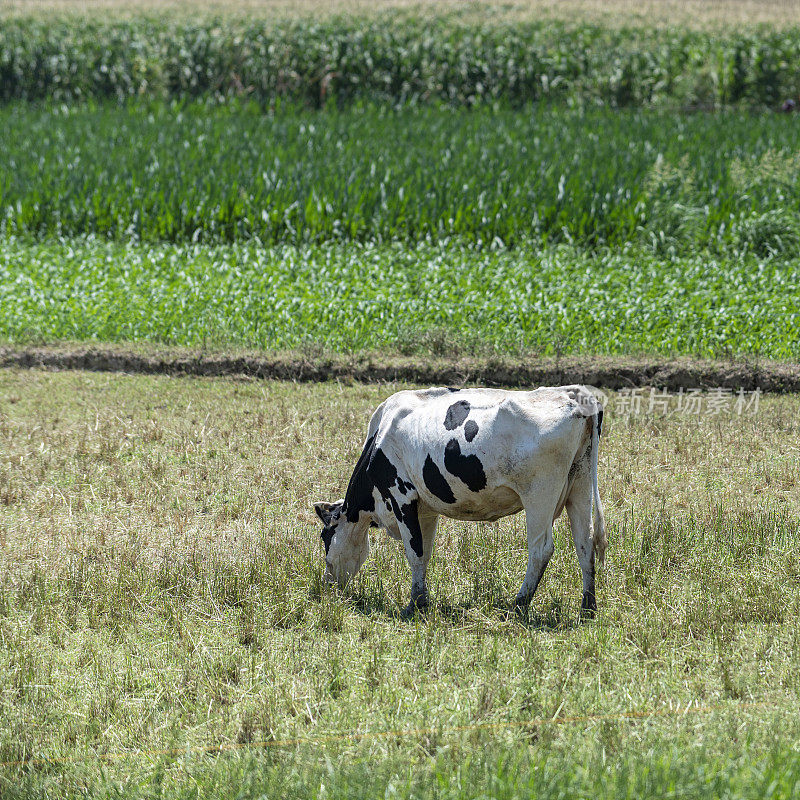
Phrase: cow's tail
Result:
[599,540]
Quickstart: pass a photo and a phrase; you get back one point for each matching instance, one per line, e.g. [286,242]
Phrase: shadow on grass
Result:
[555,617]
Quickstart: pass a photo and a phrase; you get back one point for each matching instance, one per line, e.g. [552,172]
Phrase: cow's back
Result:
[471,452]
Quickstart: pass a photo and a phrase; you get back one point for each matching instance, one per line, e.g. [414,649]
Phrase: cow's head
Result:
[346,543]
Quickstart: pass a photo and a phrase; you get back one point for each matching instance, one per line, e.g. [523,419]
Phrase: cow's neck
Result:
[355,533]
[358,499]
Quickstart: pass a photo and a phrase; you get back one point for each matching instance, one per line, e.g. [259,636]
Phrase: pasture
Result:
[166,633]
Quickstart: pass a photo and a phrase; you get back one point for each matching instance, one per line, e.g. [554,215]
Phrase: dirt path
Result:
[603,372]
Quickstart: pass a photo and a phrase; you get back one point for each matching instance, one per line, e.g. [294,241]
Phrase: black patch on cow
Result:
[358,496]
[404,486]
[453,389]
[456,415]
[409,514]
[436,482]
[374,471]
[468,468]
[384,475]
[584,456]
[327,537]
[470,430]
[599,422]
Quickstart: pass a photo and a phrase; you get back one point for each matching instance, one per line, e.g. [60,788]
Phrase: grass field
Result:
[428,299]
[702,14]
[160,591]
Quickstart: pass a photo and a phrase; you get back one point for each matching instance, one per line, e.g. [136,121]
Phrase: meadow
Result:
[166,632]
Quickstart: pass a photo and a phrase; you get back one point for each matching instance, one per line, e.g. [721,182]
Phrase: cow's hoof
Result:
[588,606]
[411,611]
[418,604]
[518,610]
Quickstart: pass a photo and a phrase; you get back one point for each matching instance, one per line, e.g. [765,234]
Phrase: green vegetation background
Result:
[541,230]
[398,59]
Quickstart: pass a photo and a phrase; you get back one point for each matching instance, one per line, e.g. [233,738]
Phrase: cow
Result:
[479,455]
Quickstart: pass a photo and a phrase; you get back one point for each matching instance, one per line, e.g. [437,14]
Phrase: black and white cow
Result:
[473,454]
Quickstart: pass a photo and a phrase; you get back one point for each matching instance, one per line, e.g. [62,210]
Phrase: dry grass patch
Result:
[160,588]
[698,14]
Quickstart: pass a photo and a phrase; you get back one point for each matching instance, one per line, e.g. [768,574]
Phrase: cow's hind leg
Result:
[539,522]
[579,510]
[418,532]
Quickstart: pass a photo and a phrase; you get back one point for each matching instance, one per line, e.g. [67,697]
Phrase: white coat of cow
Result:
[473,454]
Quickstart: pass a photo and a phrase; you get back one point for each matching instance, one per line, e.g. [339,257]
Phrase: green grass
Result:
[498,774]
[399,58]
[429,299]
[160,589]
[725,182]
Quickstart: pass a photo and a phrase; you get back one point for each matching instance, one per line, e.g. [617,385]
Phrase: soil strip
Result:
[604,372]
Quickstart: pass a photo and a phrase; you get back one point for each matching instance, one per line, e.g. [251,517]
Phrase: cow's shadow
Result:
[555,617]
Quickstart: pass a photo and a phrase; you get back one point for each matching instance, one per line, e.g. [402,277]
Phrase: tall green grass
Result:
[726,182]
[442,299]
[401,59]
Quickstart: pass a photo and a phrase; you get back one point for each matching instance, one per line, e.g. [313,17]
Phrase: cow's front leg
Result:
[540,549]
[418,531]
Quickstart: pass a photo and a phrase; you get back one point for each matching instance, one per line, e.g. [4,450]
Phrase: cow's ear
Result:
[324,511]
